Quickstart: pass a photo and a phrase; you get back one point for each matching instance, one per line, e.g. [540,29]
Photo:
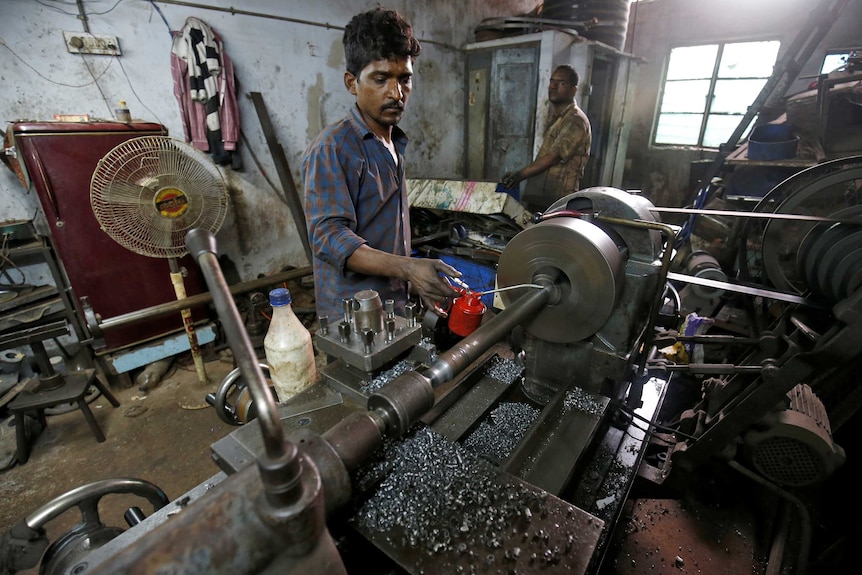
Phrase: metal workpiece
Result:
[370,354]
[210,529]
[401,403]
[468,350]
[98,325]
[278,465]
[586,266]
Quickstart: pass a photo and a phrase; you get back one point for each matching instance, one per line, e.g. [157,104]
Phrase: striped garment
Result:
[205,88]
[354,195]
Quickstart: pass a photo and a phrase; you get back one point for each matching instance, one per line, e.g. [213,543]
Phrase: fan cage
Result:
[148,192]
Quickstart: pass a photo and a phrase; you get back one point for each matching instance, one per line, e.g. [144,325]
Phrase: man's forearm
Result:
[369,261]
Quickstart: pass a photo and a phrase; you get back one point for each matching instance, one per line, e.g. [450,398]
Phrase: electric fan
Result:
[147,193]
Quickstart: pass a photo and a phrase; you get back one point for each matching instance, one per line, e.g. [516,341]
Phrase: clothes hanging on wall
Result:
[205,88]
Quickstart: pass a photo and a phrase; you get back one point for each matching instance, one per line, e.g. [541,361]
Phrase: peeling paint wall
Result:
[297,67]
[655,26]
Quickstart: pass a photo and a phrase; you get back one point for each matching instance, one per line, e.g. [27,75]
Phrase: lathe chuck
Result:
[581,260]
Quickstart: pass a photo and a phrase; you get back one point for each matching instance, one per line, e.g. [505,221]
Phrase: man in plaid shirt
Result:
[355,196]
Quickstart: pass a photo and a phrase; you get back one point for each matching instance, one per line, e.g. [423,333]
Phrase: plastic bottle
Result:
[288,348]
[122,112]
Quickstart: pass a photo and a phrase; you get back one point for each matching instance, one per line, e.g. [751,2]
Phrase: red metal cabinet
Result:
[60,158]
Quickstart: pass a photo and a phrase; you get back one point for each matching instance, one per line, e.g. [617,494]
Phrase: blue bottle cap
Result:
[279,296]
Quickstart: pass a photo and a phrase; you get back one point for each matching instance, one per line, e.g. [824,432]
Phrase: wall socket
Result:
[82,43]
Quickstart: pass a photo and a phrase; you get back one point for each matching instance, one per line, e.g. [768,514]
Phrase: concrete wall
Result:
[655,26]
[297,66]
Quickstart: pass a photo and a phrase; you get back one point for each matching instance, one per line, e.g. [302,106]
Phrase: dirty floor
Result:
[150,436]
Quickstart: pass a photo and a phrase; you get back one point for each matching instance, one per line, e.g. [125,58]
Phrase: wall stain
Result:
[242,221]
[316,115]
[336,54]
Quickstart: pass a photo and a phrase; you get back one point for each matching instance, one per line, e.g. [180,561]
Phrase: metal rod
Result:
[82,16]
[234,11]
[174,306]
[748,290]
[457,358]
[201,244]
[756,215]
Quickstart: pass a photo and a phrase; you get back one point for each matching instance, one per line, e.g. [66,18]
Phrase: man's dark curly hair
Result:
[573,76]
[378,34]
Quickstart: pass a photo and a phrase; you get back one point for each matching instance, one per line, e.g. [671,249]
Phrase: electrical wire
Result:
[649,433]
[117,3]
[658,426]
[4,261]
[56,9]
[98,87]
[132,88]
[47,79]
[162,14]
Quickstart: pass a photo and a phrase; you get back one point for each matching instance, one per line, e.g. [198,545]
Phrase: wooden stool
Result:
[74,389]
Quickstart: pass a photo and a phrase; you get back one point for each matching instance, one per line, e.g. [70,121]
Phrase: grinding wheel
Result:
[582,261]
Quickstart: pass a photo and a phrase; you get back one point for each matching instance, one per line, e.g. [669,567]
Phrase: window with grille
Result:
[707,90]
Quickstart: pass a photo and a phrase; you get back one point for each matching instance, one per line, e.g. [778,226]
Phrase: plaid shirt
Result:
[354,195]
[568,134]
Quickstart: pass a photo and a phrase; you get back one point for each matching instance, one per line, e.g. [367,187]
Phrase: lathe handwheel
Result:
[91,533]
[798,256]
[241,411]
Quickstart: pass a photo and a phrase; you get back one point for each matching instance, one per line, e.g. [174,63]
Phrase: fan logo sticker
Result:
[171,202]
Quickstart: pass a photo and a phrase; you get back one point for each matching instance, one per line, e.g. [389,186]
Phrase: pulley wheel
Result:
[791,251]
[584,264]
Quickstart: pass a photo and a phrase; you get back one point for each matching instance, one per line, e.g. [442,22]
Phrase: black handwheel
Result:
[27,538]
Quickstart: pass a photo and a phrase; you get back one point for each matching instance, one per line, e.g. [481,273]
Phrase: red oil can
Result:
[466,313]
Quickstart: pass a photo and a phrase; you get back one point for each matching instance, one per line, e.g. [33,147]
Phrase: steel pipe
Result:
[453,361]
[195,300]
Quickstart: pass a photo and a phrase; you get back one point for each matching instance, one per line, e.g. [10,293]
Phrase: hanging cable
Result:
[132,88]
[162,14]
[95,81]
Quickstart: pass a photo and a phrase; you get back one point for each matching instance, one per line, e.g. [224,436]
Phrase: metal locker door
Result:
[512,113]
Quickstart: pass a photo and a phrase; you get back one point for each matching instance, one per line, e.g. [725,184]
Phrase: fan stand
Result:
[190,398]
[146,193]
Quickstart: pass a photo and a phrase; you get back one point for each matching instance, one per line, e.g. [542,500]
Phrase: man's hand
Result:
[511,179]
[425,279]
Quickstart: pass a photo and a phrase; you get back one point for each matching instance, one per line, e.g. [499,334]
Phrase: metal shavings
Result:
[504,370]
[496,439]
[387,376]
[441,499]
[577,398]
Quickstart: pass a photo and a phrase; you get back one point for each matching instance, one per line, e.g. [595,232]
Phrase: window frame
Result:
[710,95]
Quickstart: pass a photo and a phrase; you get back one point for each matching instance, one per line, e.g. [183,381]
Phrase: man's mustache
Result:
[394,106]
